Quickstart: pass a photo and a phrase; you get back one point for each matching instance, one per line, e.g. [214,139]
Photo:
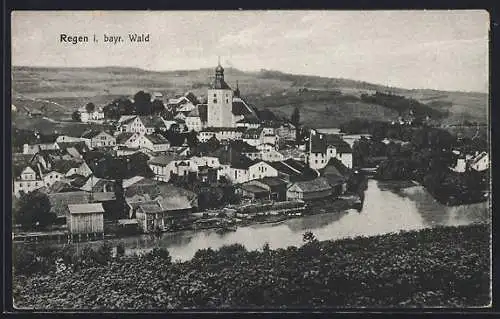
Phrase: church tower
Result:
[220,101]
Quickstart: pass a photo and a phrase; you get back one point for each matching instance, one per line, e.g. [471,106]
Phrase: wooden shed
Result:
[86,219]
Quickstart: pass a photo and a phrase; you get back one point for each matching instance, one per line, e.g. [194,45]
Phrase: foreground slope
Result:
[447,266]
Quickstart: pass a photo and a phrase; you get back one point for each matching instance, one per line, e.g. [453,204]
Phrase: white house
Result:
[26,179]
[209,161]
[152,142]
[95,139]
[245,170]
[131,123]
[127,139]
[164,166]
[68,139]
[35,148]
[323,147]
[85,117]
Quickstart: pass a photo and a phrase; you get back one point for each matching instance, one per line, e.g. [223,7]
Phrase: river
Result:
[388,207]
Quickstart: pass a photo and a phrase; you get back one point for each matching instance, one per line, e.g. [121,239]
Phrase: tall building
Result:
[220,101]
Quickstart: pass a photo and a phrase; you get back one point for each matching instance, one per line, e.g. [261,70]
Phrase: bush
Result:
[160,253]
[120,250]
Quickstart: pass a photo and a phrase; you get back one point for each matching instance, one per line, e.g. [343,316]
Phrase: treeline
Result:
[142,105]
[402,104]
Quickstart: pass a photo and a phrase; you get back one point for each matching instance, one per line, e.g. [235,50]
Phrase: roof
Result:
[242,147]
[162,160]
[315,185]
[187,107]
[224,129]
[334,166]
[252,133]
[125,119]
[272,181]
[479,157]
[252,188]
[60,201]
[131,181]
[85,208]
[243,163]
[175,202]
[152,121]
[150,208]
[103,196]
[92,133]
[337,141]
[250,119]
[157,139]
[194,113]
[63,166]
[240,107]
[123,137]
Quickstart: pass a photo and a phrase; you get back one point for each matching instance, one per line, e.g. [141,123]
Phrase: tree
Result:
[192,139]
[295,119]
[76,116]
[90,107]
[309,237]
[157,107]
[34,211]
[142,103]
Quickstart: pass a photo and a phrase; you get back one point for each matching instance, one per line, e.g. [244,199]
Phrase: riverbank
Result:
[444,266]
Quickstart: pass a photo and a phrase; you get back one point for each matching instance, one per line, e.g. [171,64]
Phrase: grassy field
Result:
[439,267]
[60,91]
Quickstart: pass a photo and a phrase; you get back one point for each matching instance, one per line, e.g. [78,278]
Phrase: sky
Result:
[444,50]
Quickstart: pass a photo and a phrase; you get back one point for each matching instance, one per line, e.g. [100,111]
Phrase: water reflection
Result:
[388,207]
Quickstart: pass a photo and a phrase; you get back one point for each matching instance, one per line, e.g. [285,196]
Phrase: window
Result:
[28,185]
[20,185]
[215,100]
[316,161]
[227,101]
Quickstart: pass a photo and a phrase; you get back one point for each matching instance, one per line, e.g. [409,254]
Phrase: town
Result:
[181,163]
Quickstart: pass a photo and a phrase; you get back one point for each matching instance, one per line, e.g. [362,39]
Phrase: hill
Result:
[329,102]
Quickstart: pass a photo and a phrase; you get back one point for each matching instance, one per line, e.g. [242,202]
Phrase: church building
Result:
[225,106]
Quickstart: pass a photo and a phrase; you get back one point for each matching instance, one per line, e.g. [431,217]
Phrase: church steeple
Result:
[219,82]
[237,91]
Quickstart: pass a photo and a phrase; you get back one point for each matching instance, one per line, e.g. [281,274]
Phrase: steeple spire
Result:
[237,91]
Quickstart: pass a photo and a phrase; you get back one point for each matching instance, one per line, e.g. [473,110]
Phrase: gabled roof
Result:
[59,201]
[85,208]
[93,133]
[63,166]
[125,119]
[123,137]
[272,181]
[156,138]
[163,160]
[152,121]
[253,188]
[243,163]
[337,141]
[315,185]
[191,97]
[240,107]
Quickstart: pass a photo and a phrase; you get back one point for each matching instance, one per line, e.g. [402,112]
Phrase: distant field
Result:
[57,92]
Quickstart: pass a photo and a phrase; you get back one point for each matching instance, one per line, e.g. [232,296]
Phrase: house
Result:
[74,149]
[271,188]
[292,170]
[94,139]
[68,139]
[261,135]
[35,148]
[286,131]
[98,185]
[249,122]
[85,219]
[221,133]
[209,161]
[152,142]
[309,190]
[26,174]
[322,147]
[164,166]
[270,154]
[245,169]
[131,123]
[196,120]
[152,123]
[96,115]
[127,139]
[337,175]
[161,213]
[480,162]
